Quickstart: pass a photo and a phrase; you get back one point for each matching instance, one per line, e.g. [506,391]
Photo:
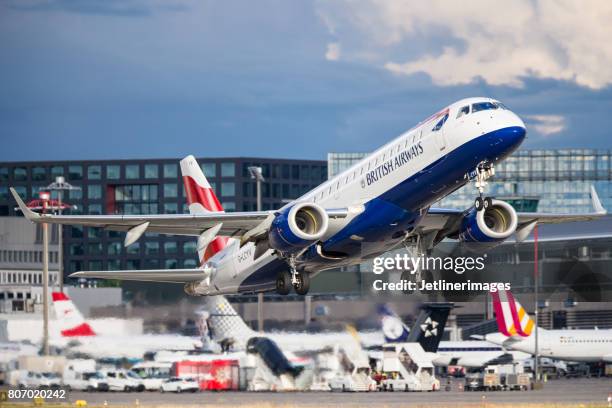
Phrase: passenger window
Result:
[463,111]
[476,107]
[440,123]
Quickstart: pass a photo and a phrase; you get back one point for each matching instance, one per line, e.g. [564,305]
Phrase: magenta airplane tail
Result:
[71,321]
[512,318]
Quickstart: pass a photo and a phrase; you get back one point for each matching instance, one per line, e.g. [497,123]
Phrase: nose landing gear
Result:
[484,171]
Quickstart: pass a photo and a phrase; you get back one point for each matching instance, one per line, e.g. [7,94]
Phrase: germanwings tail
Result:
[512,318]
[225,325]
[201,199]
[71,321]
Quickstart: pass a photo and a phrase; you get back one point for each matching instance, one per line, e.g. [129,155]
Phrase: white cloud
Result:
[546,125]
[333,52]
[499,42]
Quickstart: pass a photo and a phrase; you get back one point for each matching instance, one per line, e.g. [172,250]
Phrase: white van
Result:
[85,381]
[121,380]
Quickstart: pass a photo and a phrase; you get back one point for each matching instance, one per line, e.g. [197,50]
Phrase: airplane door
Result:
[439,132]
[440,137]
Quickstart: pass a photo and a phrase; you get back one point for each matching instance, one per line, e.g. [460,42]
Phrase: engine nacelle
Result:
[483,230]
[297,228]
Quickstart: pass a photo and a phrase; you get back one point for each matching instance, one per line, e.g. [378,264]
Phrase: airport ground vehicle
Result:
[178,384]
[152,373]
[358,380]
[408,368]
[121,380]
[30,379]
[85,381]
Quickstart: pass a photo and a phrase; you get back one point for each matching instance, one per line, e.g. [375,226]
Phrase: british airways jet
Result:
[381,202]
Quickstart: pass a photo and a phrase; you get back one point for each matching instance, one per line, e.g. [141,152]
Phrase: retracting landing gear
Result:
[299,280]
[483,173]
[283,283]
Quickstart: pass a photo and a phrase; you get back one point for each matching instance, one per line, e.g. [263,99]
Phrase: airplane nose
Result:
[511,137]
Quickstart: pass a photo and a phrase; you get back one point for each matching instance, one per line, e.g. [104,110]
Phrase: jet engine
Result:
[297,227]
[485,229]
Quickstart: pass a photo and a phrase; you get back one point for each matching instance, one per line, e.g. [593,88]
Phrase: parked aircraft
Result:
[517,331]
[376,205]
[78,336]
[428,331]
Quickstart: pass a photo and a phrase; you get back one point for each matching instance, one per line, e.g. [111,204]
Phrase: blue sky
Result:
[98,79]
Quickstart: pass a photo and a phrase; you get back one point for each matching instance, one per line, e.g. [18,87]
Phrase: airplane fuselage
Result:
[570,345]
[387,194]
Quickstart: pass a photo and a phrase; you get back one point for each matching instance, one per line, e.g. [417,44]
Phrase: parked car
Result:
[179,384]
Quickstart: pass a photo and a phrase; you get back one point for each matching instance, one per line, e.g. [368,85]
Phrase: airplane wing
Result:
[233,224]
[147,275]
[440,223]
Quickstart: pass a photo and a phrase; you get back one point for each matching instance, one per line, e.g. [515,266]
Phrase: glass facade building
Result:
[150,187]
[560,179]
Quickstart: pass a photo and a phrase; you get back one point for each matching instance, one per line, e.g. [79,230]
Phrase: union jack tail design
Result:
[201,199]
[512,318]
[71,321]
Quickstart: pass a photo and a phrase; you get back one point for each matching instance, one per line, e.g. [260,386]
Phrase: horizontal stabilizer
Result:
[146,275]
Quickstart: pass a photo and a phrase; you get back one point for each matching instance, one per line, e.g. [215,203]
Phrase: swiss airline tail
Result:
[201,198]
[512,318]
[71,321]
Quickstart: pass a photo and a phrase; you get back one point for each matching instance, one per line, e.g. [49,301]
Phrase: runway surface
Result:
[558,391]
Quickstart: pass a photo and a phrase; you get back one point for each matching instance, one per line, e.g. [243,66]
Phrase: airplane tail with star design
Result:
[429,326]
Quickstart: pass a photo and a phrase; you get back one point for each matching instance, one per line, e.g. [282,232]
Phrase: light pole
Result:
[45,197]
[536,277]
[60,185]
[257,175]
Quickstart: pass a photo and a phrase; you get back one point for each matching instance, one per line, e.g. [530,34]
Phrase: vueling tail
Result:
[393,328]
[71,321]
[201,198]
[225,325]
[512,318]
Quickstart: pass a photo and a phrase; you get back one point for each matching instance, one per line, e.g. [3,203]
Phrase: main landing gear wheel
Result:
[283,283]
[303,283]
[483,203]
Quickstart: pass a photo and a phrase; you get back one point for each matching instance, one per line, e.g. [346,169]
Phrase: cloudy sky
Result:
[141,78]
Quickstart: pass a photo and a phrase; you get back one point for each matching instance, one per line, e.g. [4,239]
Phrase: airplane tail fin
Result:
[225,325]
[72,323]
[429,326]
[393,328]
[512,318]
[201,198]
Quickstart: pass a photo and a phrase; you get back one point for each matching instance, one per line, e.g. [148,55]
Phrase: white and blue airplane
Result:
[381,202]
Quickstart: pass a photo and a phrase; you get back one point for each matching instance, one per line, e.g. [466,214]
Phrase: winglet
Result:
[29,214]
[599,209]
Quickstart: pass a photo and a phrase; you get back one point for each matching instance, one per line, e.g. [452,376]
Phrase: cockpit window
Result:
[463,111]
[476,107]
[440,123]
[501,106]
